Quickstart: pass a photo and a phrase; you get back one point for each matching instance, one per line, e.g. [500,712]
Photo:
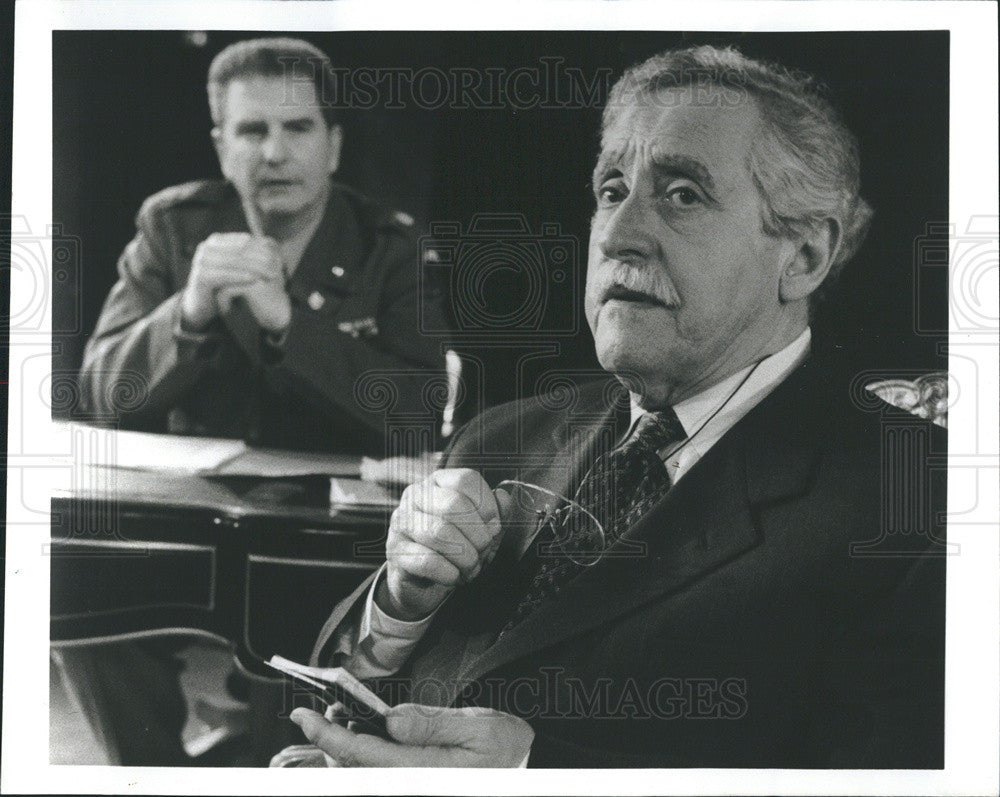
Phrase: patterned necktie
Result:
[620,488]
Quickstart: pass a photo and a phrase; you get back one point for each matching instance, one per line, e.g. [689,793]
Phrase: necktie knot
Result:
[655,430]
[612,483]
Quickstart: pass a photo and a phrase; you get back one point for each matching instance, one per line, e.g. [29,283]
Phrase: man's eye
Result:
[684,197]
[610,194]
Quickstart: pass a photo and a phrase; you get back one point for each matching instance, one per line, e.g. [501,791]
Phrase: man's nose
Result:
[625,235]
[275,148]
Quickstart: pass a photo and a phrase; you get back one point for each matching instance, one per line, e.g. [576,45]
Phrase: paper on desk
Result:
[353,492]
[146,451]
[205,456]
[275,464]
[399,471]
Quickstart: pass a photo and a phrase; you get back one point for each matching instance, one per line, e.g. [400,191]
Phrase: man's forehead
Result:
[683,123]
[275,96]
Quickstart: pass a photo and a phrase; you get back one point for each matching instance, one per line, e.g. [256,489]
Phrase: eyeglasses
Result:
[574,531]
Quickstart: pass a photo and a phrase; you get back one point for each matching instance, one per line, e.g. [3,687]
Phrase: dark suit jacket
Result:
[745,631]
[356,309]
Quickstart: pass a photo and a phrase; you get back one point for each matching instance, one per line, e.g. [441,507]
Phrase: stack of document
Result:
[204,456]
[220,457]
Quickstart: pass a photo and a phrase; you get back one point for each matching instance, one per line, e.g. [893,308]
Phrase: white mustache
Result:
[651,282]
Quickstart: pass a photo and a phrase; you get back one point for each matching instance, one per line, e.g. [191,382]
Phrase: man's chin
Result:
[637,376]
[644,369]
[279,207]
[621,344]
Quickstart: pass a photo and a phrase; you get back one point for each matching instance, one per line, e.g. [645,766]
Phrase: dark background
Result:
[131,117]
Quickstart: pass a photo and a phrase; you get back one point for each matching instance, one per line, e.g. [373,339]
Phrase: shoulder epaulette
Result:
[377,215]
[195,192]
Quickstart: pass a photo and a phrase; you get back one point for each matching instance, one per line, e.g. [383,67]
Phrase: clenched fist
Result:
[231,264]
[446,528]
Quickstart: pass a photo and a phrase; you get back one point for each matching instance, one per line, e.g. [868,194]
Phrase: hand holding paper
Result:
[425,736]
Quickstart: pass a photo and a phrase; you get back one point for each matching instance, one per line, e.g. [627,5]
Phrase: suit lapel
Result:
[582,437]
[576,438]
[785,434]
[468,621]
[705,521]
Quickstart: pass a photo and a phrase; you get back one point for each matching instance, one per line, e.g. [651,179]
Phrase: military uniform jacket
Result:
[353,349]
[781,606]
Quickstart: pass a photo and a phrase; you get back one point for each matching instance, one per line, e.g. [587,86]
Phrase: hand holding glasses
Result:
[450,526]
[559,526]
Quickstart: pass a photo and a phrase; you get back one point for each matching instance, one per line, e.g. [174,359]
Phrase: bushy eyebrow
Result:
[260,126]
[302,123]
[670,164]
[251,126]
[686,167]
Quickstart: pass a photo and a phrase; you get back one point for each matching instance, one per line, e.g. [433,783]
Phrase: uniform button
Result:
[337,271]
[403,218]
[316,300]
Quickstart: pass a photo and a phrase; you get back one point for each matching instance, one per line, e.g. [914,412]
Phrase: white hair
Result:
[807,170]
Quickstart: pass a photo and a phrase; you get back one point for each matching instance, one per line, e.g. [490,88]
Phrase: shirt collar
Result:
[708,415]
[293,249]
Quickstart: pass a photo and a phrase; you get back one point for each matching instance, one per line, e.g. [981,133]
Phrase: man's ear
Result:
[336,141]
[810,261]
[220,148]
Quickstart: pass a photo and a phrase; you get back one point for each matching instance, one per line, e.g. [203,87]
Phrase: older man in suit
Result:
[727,616]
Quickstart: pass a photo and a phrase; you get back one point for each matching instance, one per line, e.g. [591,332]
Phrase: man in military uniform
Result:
[249,307]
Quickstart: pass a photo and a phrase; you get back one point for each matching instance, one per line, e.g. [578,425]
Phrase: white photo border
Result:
[973,617]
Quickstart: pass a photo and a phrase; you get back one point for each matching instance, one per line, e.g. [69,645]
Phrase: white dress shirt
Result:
[381,644]
[707,416]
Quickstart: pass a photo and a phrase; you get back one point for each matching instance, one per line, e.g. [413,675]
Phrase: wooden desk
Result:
[257,562]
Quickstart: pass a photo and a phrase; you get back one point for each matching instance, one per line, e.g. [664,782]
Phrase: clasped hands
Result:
[231,265]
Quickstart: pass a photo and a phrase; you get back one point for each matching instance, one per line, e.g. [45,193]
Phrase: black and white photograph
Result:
[598,393]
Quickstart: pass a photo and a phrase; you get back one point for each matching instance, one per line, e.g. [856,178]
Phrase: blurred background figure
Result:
[248,307]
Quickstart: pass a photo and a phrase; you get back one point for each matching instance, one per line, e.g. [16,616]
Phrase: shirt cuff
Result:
[384,643]
[524,763]
[196,339]
[377,621]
